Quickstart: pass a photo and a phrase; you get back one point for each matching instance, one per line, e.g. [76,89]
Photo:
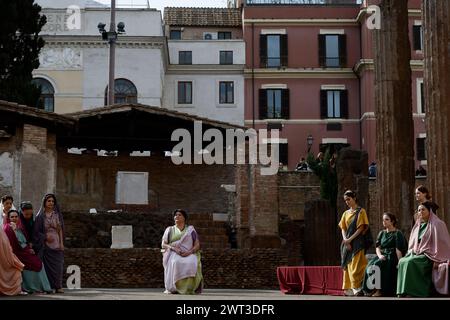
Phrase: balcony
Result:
[301,2]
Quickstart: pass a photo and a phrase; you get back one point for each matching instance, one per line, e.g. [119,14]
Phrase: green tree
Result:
[20,44]
[327,175]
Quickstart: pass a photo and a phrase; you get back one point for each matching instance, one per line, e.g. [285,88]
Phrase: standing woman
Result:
[354,223]
[5,205]
[181,259]
[423,195]
[48,241]
[27,221]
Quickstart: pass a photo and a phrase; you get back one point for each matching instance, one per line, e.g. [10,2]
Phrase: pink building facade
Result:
[310,72]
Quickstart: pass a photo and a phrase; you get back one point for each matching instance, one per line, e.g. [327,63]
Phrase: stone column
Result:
[352,170]
[242,205]
[393,111]
[436,24]
[263,211]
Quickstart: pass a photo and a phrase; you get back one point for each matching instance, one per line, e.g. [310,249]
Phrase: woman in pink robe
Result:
[10,266]
[428,252]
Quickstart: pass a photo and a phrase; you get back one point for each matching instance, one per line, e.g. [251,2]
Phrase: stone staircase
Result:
[212,234]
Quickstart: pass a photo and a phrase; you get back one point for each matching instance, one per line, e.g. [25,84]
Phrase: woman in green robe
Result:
[391,245]
[425,267]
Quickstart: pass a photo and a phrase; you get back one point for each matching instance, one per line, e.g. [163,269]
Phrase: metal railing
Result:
[303,2]
[133,4]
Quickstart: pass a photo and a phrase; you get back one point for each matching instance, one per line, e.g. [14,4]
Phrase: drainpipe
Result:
[360,91]
[253,75]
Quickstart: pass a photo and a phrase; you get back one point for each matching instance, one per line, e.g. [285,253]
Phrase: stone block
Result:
[122,237]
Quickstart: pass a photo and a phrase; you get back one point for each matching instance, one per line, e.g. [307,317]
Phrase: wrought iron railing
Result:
[303,2]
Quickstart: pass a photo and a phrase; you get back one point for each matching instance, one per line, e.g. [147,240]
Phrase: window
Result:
[420,149]
[175,34]
[226,57]
[47,98]
[226,89]
[332,50]
[418,38]
[274,103]
[185,57]
[283,153]
[273,50]
[185,92]
[420,97]
[124,92]
[224,35]
[333,104]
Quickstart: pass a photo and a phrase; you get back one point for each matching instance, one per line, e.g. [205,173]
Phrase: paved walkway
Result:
[208,294]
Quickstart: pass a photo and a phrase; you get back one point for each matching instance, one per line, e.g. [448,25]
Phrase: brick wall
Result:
[292,234]
[89,181]
[295,188]
[35,136]
[84,230]
[142,268]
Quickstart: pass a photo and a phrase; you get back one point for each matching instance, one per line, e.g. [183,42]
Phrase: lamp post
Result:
[309,141]
[111,37]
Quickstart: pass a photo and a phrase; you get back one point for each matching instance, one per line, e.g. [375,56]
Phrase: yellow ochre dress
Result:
[354,272]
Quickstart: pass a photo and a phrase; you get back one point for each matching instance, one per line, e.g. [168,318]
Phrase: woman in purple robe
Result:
[182,259]
[48,240]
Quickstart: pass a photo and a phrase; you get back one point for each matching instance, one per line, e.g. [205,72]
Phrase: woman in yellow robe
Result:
[353,259]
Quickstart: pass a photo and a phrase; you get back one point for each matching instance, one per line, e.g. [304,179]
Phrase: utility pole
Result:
[111,36]
[112,53]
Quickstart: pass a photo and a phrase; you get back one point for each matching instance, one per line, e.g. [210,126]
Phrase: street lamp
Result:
[309,141]
[111,37]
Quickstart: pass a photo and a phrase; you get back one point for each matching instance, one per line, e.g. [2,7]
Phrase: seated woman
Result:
[33,275]
[390,246]
[181,259]
[428,254]
[10,267]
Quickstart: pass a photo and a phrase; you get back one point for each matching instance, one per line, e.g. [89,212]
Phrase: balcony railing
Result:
[302,2]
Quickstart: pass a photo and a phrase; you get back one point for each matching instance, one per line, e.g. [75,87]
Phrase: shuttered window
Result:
[333,50]
[273,50]
[420,149]
[274,104]
[333,104]
[418,38]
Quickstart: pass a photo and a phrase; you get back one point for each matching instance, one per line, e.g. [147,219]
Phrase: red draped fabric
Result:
[311,280]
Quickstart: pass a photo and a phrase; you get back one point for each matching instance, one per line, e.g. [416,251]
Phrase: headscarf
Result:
[11,233]
[1,214]
[39,235]
[435,244]
[26,226]
[30,260]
